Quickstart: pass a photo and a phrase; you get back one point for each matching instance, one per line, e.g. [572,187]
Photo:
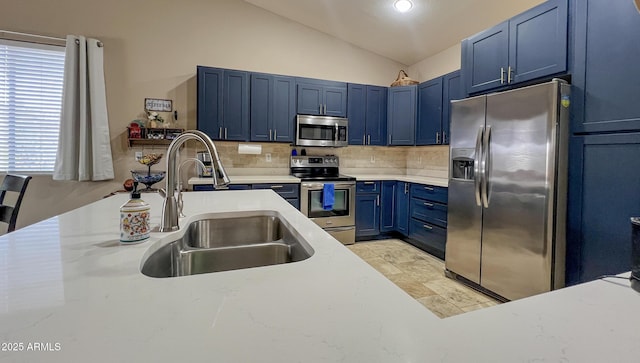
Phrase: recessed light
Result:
[403,5]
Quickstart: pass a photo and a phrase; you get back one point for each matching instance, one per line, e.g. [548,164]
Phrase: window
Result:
[31,78]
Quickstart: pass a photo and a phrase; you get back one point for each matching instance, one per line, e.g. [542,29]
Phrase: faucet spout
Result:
[169,220]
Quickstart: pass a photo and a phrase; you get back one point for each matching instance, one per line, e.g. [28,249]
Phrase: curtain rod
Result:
[3,32]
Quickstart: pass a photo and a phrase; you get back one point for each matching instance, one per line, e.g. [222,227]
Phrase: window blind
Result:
[31,78]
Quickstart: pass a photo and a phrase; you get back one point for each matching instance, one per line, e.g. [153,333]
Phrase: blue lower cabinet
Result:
[209,187]
[367,215]
[430,192]
[428,237]
[289,191]
[402,208]
[388,206]
[430,212]
[294,202]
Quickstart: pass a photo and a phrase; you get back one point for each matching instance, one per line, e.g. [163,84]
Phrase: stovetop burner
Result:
[339,177]
[317,168]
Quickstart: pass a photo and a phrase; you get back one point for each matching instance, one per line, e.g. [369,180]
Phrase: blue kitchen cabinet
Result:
[289,191]
[223,103]
[210,84]
[485,59]
[368,208]
[325,98]
[209,187]
[367,114]
[402,208]
[367,215]
[451,90]
[401,115]
[272,108]
[428,218]
[429,125]
[388,206]
[603,194]
[529,46]
[605,72]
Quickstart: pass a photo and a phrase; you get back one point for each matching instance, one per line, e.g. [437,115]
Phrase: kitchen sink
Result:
[228,242]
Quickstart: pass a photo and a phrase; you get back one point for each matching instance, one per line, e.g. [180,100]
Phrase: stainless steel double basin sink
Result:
[229,241]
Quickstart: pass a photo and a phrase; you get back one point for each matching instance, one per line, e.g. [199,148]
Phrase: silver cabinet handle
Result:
[321,108]
[476,166]
[426,226]
[501,75]
[437,137]
[220,133]
[369,183]
[378,200]
[277,186]
[225,133]
[509,75]
[368,139]
[269,134]
[389,138]
[444,137]
[275,135]
[428,204]
[428,188]
[485,167]
[406,188]
[363,140]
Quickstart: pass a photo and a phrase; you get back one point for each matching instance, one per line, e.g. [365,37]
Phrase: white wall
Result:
[152,49]
[442,63]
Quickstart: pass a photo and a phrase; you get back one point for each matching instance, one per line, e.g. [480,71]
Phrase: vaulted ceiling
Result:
[430,27]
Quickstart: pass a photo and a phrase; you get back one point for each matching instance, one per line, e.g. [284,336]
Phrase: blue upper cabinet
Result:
[529,46]
[272,108]
[210,82]
[606,75]
[357,113]
[451,90]
[485,59]
[223,103]
[401,115]
[429,125]
[316,97]
[367,114]
[235,109]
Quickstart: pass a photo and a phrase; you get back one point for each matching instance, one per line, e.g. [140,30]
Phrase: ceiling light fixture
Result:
[403,5]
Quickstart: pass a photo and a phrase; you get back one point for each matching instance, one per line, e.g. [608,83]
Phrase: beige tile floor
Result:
[421,276]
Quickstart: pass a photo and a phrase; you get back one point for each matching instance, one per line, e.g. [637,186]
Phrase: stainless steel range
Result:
[339,218]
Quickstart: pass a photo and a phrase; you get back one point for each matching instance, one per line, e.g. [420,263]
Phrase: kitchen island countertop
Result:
[68,282]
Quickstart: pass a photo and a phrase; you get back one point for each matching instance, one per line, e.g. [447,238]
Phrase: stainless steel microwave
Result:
[321,131]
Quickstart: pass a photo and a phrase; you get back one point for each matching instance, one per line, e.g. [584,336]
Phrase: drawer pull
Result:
[369,183]
[428,204]
[428,188]
[427,227]
[277,186]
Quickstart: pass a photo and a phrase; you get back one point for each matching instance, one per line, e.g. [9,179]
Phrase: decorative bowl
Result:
[146,177]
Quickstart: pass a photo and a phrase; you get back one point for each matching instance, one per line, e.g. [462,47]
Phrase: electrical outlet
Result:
[138,155]
[268,157]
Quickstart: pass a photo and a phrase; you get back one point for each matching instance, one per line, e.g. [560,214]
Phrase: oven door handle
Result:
[319,186]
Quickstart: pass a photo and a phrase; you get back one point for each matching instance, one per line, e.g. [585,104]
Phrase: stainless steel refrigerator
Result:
[507,190]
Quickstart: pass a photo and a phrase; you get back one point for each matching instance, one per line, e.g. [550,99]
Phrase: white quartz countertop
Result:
[253,179]
[67,284]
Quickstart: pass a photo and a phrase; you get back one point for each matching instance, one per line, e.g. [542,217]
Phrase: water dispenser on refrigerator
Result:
[462,164]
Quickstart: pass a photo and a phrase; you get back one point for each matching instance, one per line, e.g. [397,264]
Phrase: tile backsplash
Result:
[420,160]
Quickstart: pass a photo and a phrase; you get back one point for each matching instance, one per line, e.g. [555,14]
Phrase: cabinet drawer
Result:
[426,211]
[429,192]
[294,202]
[368,187]
[428,237]
[209,187]
[287,191]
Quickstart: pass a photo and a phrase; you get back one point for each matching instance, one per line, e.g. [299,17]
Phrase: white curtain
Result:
[84,145]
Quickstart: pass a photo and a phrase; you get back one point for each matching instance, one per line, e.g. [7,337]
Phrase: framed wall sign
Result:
[154,104]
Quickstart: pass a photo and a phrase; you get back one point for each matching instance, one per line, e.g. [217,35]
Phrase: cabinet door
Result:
[236,105]
[538,42]
[388,206]
[429,125]
[485,59]
[335,101]
[401,115]
[210,83]
[402,208]
[356,113]
[284,108]
[603,195]
[367,215]
[261,111]
[309,98]
[605,72]
[376,125]
[451,90]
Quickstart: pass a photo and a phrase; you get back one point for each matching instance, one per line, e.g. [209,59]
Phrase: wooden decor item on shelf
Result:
[152,136]
[403,80]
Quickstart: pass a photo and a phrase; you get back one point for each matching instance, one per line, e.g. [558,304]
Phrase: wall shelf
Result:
[153,136]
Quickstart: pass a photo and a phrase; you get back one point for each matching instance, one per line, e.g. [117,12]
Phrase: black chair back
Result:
[16,184]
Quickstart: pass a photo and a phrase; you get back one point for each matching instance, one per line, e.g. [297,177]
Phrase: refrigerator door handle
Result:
[476,166]
[486,166]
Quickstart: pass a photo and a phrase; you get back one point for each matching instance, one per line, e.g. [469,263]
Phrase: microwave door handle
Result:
[335,133]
